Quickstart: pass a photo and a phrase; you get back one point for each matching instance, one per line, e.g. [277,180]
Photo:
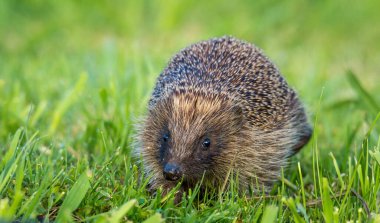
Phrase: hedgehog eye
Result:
[206,143]
[165,137]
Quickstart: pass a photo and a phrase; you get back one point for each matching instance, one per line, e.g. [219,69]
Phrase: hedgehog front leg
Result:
[166,188]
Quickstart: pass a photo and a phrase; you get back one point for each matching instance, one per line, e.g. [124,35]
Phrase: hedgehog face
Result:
[187,132]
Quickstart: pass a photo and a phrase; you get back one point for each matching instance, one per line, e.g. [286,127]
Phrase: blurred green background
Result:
[120,47]
[76,75]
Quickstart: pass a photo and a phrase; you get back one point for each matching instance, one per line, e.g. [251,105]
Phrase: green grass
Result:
[76,75]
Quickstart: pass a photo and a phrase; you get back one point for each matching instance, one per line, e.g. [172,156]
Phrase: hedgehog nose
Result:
[172,172]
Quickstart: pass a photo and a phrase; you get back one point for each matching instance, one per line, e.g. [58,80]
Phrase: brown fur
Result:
[228,91]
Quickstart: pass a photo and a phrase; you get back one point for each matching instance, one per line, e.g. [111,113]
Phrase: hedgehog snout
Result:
[172,171]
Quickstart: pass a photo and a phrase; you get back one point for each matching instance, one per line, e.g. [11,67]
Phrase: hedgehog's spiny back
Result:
[236,68]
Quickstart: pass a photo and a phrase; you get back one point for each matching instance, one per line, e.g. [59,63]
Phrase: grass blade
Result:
[327,202]
[12,148]
[156,218]
[31,204]
[118,214]
[355,83]
[375,155]
[70,98]
[270,214]
[293,209]
[74,198]
[337,170]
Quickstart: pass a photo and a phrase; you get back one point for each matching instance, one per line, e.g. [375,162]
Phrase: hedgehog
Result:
[220,110]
